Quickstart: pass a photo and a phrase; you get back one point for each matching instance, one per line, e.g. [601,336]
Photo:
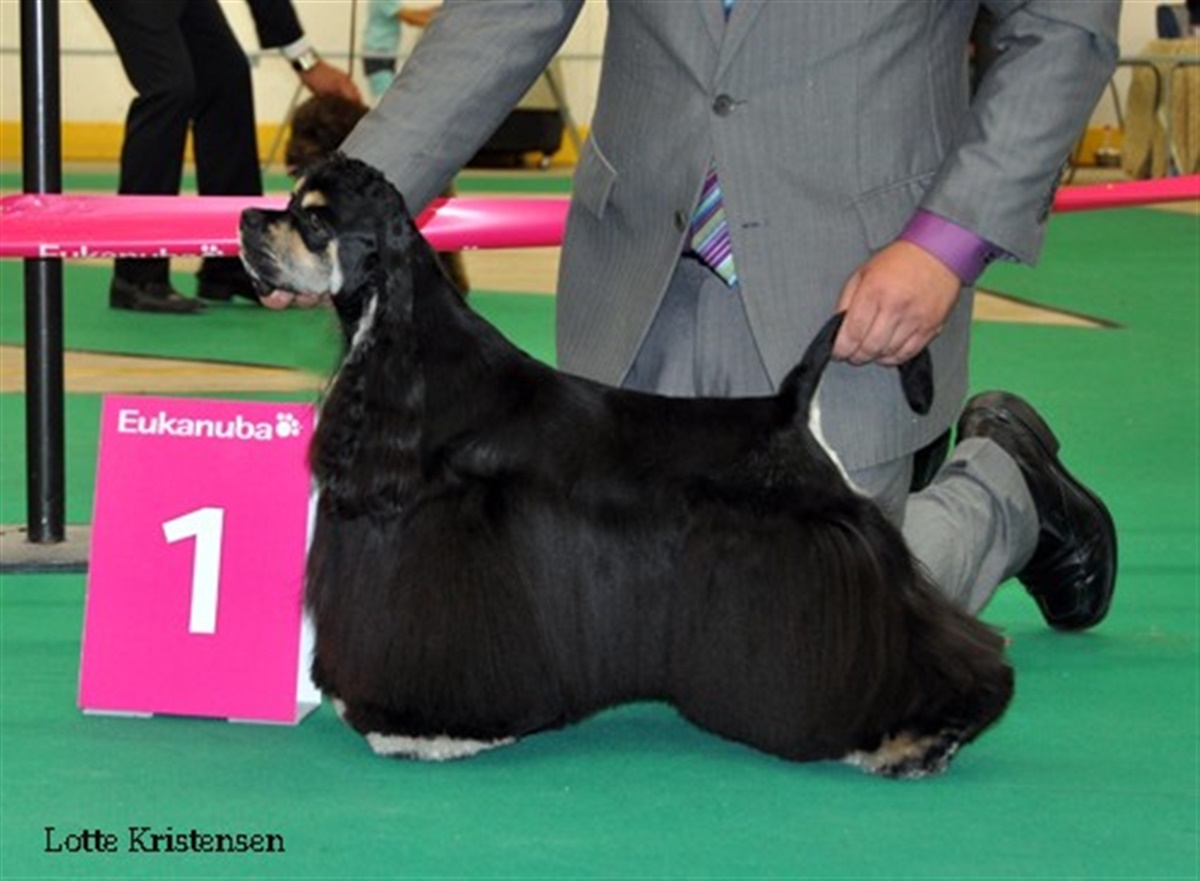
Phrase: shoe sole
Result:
[152,310]
[1015,410]
[224,295]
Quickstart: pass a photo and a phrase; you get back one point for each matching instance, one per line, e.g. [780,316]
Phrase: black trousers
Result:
[189,71]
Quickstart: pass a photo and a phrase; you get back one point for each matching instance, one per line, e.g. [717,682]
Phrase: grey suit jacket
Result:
[830,124]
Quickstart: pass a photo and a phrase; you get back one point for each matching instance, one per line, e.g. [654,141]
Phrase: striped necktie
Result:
[710,229]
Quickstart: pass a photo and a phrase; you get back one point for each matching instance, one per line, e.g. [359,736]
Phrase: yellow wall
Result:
[96,141]
[101,142]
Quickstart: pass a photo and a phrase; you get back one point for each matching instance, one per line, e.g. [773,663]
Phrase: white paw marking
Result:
[431,749]
[905,757]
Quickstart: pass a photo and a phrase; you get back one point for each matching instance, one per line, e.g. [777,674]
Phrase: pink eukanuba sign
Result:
[195,577]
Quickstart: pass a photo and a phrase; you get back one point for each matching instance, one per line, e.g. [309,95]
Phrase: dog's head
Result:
[318,128]
[345,234]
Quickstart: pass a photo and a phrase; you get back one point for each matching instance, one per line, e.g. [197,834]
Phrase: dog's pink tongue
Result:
[283,300]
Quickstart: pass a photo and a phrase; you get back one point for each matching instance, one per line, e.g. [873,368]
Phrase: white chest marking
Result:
[814,426]
[364,325]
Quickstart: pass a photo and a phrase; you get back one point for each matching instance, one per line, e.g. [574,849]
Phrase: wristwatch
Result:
[306,61]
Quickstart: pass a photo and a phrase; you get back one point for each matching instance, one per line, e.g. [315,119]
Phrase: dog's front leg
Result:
[907,755]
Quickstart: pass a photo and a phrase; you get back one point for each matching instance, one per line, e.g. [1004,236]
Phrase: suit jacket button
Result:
[681,221]
[723,105]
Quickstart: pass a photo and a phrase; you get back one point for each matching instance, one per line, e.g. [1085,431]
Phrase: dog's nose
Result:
[252,221]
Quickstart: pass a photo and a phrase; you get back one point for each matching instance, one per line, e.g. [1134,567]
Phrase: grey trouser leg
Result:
[699,344]
[973,527]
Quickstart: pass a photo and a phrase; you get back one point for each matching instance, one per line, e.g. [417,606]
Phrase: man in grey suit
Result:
[855,174]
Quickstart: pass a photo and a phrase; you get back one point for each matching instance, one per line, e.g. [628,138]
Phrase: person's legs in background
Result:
[224,135]
[151,47]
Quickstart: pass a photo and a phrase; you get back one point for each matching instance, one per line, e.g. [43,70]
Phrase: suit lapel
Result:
[714,20]
[741,20]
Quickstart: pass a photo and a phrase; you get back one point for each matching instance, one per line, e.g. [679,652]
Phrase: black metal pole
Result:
[41,158]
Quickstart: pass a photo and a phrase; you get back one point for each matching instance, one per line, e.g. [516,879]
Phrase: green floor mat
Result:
[239,332]
[1091,775]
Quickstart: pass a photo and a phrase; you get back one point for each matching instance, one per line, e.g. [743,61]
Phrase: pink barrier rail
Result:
[1128,194]
[86,226]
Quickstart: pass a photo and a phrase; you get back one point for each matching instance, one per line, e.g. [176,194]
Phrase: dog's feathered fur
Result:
[502,548]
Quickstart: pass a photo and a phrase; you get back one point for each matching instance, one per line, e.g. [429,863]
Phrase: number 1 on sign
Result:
[206,525]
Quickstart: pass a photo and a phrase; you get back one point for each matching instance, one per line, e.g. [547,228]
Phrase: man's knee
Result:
[173,93]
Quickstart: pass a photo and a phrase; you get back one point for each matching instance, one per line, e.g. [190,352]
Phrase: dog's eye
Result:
[315,219]
[316,225]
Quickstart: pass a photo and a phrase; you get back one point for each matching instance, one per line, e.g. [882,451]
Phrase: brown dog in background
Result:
[319,126]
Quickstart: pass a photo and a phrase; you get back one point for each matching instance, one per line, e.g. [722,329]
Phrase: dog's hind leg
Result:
[441,748]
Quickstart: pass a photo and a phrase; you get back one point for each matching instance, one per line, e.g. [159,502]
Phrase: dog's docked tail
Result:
[800,386]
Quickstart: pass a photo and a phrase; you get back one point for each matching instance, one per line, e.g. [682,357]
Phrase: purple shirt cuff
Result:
[965,253]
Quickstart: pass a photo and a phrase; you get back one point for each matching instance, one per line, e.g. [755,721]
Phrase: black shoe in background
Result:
[150,296]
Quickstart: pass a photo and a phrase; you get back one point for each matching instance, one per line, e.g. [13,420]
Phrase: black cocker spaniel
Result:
[502,548]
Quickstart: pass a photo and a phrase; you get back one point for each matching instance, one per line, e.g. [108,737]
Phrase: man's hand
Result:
[325,79]
[895,303]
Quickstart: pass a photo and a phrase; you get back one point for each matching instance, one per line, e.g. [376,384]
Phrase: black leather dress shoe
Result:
[1073,570]
[152,296]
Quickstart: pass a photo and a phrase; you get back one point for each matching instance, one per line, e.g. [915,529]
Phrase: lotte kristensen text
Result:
[147,839]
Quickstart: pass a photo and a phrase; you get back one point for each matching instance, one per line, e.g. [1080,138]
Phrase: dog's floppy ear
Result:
[395,378]
[399,246]
[367,450]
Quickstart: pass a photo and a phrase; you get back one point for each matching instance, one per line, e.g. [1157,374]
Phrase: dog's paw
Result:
[424,749]
[431,749]
[907,756]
